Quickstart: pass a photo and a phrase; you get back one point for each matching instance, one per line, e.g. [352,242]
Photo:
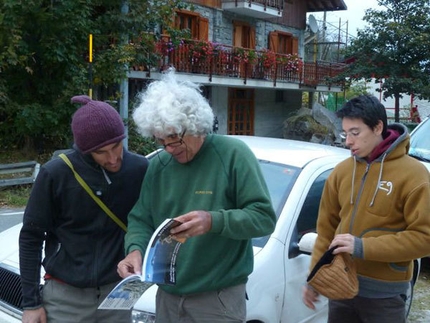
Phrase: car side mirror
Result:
[304,246]
[307,242]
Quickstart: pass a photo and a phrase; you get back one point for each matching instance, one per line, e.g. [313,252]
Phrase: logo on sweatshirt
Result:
[386,186]
[204,192]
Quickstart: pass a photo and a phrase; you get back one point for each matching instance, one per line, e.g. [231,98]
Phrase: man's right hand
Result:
[34,316]
[309,296]
[132,264]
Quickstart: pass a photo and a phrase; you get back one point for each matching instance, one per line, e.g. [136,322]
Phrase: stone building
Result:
[253,74]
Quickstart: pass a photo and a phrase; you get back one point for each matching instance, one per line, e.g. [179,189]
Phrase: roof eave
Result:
[326,5]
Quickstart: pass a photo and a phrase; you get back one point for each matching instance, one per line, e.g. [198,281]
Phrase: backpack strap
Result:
[90,192]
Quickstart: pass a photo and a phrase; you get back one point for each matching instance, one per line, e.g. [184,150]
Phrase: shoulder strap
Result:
[90,192]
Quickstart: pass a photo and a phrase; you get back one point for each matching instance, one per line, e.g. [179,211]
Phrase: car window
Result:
[280,179]
[309,213]
[420,142]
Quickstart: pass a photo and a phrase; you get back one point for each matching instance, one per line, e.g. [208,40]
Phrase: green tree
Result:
[44,59]
[394,47]
[359,87]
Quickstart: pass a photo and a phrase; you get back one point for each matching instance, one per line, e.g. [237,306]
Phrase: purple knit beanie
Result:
[95,124]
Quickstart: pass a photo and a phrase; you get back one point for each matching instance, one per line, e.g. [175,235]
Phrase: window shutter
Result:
[252,38]
[295,45]
[203,28]
[273,41]
[237,35]
[177,22]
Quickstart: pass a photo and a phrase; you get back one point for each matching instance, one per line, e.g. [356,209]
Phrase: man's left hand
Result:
[344,242]
[193,224]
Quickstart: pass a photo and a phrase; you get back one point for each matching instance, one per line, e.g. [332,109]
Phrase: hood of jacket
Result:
[395,145]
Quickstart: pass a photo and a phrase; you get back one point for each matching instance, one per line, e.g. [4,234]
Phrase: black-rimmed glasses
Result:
[161,142]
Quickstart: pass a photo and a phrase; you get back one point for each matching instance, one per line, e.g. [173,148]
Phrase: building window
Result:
[243,35]
[283,43]
[197,25]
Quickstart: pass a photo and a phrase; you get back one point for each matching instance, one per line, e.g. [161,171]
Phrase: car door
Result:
[296,263]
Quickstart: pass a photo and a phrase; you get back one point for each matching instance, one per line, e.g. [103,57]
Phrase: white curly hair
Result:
[168,106]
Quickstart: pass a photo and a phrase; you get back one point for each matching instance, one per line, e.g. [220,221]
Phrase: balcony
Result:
[216,64]
[255,8]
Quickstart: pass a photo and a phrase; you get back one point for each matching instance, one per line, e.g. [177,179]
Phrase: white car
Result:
[420,142]
[295,172]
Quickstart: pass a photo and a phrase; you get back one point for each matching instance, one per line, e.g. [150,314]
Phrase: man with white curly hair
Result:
[213,185]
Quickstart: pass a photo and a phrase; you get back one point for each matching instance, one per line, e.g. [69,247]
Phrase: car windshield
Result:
[280,179]
[420,142]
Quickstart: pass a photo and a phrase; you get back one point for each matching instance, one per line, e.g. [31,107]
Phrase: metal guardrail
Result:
[18,173]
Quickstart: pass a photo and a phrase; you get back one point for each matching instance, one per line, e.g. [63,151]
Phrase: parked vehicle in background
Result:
[295,173]
[420,142]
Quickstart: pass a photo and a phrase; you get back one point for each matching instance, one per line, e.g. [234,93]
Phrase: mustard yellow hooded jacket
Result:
[385,205]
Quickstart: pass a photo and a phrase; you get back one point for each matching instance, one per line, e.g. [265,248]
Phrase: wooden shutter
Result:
[273,41]
[252,38]
[237,35]
[203,25]
[295,45]
[177,21]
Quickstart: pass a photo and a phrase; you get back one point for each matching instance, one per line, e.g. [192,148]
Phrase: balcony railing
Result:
[255,8]
[201,57]
[278,4]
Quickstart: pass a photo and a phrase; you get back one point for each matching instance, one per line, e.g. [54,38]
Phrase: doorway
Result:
[240,112]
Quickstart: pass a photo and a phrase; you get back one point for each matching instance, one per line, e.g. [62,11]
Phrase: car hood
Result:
[427,165]
[10,255]
[146,303]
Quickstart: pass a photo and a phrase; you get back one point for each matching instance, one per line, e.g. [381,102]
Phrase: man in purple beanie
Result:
[82,245]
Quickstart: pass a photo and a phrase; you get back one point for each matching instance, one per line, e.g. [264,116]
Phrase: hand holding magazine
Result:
[159,267]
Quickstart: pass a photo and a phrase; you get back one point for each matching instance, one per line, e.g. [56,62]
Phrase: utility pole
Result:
[321,48]
[90,66]
[323,33]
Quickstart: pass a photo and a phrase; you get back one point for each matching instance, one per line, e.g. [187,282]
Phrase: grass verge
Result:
[17,195]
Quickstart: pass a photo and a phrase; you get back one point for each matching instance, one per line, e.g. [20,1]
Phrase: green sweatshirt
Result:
[224,178]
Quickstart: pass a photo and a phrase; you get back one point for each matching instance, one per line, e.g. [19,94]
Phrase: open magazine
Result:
[159,267]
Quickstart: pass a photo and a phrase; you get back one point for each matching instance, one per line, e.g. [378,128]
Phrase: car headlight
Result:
[142,317]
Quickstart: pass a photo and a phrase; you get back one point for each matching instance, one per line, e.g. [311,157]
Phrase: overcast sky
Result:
[350,19]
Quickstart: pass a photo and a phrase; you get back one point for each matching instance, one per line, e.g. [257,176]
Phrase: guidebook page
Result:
[159,267]
[125,294]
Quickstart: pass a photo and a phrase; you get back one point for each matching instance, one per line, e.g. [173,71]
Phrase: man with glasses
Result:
[375,206]
[213,185]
